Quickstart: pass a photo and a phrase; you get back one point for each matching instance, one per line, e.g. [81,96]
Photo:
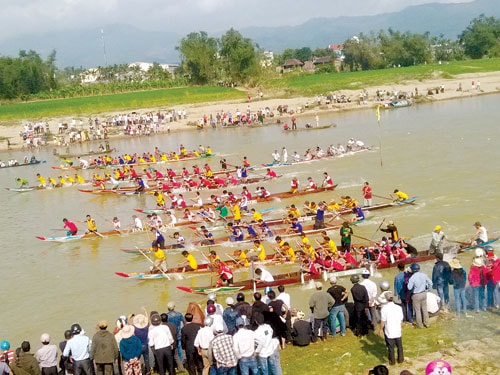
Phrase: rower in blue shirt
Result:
[296,226]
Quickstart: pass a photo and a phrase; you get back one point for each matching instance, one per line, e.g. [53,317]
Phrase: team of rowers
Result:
[144,158]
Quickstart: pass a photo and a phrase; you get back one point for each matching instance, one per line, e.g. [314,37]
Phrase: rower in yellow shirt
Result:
[52,182]
[294,211]
[259,249]
[160,199]
[400,196]
[71,180]
[333,206]
[208,151]
[289,252]
[164,157]
[256,214]
[79,179]
[242,258]
[91,225]
[304,239]
[190,264]
[42,181]
[236,212]
[62,181]
[309,251]
[160,262]
[175,156]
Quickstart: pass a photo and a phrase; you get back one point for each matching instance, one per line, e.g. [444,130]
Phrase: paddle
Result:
[381,196]
[253,278]
[459,242]
[153,263]
[97,233]
[364,238]
[380,226]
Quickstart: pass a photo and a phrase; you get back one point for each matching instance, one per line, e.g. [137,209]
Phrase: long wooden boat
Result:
[288,194]
[297,276]
[94,235]
[89,153]
[290,130]
[467,248]
[23,164]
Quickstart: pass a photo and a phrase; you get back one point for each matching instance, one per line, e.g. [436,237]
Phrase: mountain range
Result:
[121,43]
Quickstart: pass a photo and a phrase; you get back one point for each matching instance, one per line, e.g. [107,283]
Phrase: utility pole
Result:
[104,48]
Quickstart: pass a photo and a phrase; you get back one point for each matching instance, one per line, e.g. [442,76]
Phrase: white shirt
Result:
[266,345]
[433,303]
[371,288]
[392,316]
[46,356]
[244,343]
[160,336]
[138,223]
[204,337]
[285,297]
[266,276]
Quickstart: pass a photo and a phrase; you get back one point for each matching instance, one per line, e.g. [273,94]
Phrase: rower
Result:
[294,185]
[276,157]
[258,249]
[480,236]
[392,229]
[359,214]
[72,228]
[137,222]
[256,214]
[159,240]
[400,196]
[270,174]
[190,264]
[263,276]
[116,223]
[22,182]
[293,210]
[311,185]
[160,200]
[180,241]
[296,227]
[225,273]
[160,262]
[91,225]
[327,181]
[289,252]
[208,238]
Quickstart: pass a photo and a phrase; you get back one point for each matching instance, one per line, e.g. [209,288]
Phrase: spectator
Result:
[46,356]
[301,330]
[441,279]
[391,320]
[320,303]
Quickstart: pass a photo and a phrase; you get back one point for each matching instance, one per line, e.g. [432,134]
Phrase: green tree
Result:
[481,37]
[157,73]
[199,55]
[303,54]
[238,55]
[361,53]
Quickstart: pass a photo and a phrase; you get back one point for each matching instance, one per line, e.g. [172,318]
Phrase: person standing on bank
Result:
[79,349]
[339,294]
[390,326]
[441,279]
[419,284]
[46,356]
[320,303]
[104,349]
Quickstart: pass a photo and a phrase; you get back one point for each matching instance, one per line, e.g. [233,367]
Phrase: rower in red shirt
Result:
[270,174]
[311,185]
[246,193]
[327,180]
[246,163]
[294,185]
[196,170]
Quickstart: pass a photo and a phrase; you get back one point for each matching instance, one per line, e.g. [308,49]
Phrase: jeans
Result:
[248,365]
[443,293]
[479,298]
[391,344]
[337,312]
[270,365]
[226,370]
[274,363]
[420,306]
[145,356]
[319,324]
[83,367]
[460,300]
[407,311]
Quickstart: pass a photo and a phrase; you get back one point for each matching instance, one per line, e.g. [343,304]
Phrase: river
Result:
[446,153]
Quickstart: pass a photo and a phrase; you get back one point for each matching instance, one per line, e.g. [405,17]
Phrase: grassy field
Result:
[350,354]
[292,84]
[313,84]
[166,98]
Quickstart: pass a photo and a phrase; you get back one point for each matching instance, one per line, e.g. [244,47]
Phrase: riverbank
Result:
[303,108]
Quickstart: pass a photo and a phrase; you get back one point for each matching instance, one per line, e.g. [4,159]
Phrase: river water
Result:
[446,153]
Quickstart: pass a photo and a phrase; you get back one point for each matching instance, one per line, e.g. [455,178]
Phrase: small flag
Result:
[377,111]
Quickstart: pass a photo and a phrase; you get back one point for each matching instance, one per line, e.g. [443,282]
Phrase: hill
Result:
[127,43]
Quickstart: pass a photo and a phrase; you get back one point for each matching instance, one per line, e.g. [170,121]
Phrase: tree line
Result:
[234,59]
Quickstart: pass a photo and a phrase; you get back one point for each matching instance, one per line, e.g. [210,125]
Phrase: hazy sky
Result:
[39,16]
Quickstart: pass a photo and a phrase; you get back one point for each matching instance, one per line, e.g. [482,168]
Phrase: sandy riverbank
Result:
[488,83]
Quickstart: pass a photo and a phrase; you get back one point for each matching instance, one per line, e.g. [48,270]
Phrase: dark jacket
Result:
[130,348]
[104,348]
[301,332]
[28,363]
[441,274]
[458,278]
[188,335]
